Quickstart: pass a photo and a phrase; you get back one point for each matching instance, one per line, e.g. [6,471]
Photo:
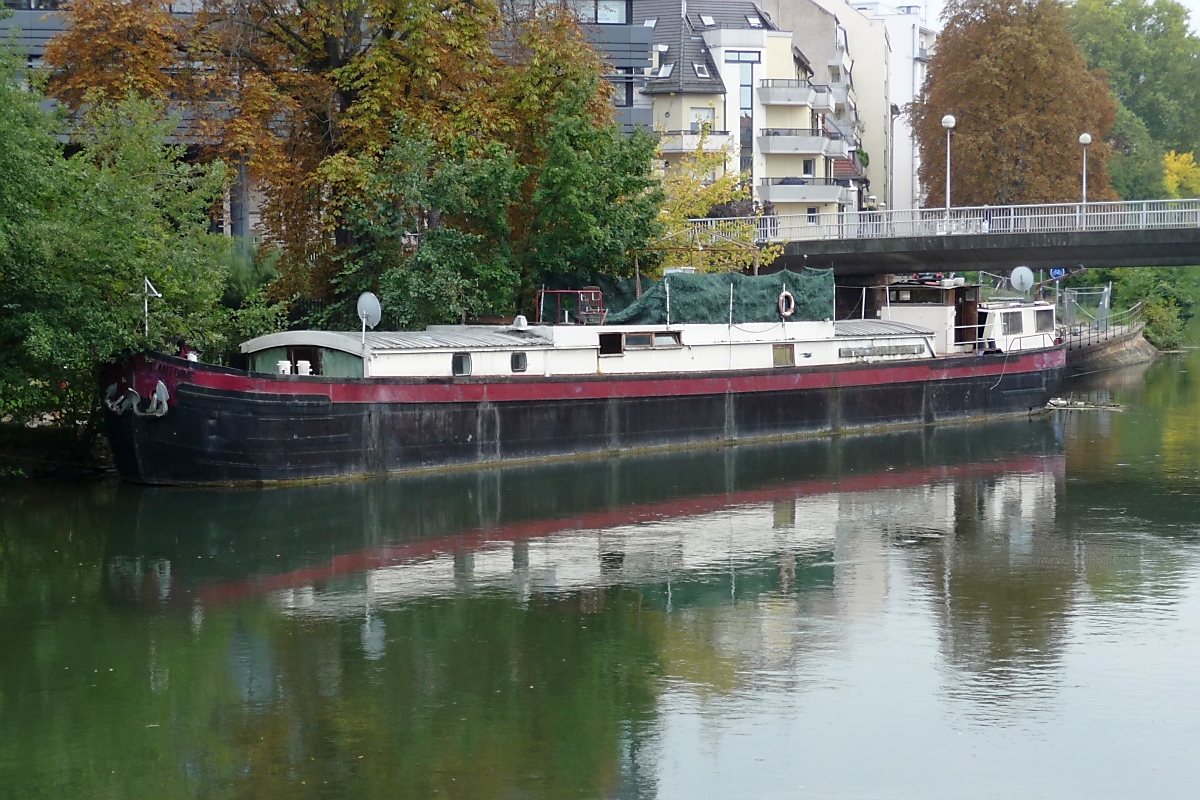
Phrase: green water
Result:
[1010,610]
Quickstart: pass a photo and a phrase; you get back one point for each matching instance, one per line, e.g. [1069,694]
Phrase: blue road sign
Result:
[1057,273]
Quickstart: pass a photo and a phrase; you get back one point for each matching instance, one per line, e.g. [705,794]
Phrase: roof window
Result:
[650,23]
[707,20]
[754,22]
[701,70]
[665,70]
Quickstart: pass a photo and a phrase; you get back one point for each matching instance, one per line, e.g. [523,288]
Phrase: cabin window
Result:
[460,365]
[633,340]
[666,340]
[1045,321]
[783,355]
[1012,324]
[519,362]
[612,344]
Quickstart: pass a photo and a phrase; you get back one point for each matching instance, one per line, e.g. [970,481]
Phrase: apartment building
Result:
[912,43]
[849,52]
[725,69]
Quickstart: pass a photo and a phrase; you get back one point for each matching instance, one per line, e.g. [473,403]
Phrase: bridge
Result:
[1141,233]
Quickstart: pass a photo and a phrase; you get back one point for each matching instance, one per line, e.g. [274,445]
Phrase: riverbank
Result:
[1120,350]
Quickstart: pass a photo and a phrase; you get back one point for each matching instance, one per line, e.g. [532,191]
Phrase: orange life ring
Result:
[787,304]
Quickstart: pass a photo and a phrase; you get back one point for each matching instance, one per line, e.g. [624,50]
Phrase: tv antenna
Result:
[148,291]
[369,312]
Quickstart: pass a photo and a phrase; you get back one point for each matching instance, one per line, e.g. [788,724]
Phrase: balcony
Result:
[678,142]
[805,190]
[822,98]
[801,142]
[786,92]
[844,95]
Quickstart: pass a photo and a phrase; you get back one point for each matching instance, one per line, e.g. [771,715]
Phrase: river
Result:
[1009,610]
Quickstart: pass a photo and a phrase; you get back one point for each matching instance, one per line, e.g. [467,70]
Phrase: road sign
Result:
[1057,273]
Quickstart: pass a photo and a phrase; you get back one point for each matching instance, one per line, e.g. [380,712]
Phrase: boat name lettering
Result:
[177,372]
[882,350]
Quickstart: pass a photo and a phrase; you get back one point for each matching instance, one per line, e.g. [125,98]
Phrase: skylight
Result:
[665,70]
[650,23]
[754,22]
[701,70]
[707,20]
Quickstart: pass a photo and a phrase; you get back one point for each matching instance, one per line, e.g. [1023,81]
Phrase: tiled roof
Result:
[683,38]
[847,168]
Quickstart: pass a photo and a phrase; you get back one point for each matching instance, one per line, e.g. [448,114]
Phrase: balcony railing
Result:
[804,181]
[785,83]
[814,131]
[694,133]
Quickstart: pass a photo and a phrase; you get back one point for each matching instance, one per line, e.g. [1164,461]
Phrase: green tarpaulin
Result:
[704,298]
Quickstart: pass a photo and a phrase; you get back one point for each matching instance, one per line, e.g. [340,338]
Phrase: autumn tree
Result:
[1022,94]
[112,48]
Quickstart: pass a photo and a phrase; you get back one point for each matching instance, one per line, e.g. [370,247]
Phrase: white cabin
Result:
[450,351]
[961,323]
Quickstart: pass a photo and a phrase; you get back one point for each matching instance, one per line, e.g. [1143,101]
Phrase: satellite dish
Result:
[1021,279]
[368,310]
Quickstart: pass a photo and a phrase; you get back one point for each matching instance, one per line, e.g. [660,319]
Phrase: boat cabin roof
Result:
[877,327]
[441,337]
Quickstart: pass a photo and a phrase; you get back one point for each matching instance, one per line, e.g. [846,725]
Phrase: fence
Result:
[1109,326]
[1050,218]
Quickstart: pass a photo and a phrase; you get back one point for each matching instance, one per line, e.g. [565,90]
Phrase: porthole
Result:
[460,365]
[519,362]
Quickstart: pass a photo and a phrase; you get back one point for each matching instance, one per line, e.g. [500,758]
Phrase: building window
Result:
[813,212]
[460,365]
[622,83]
[520,362]
[1012,324]
[810,167]
[701,70]
[783,355]
[600,12]
[742,56]
[703,118]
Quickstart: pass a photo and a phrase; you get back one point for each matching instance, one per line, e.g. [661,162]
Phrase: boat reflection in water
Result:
[343,549]
[587,629]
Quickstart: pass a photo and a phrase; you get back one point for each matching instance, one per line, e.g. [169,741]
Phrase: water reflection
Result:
[587,630]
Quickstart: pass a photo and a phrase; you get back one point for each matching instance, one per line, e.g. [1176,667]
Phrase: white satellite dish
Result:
[1021,279]
[368,311]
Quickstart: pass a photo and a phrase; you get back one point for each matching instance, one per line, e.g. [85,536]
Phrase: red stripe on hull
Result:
[174,372]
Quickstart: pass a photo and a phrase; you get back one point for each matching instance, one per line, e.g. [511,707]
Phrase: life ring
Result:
[787,304]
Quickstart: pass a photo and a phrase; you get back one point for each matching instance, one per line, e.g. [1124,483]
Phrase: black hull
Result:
[229,435]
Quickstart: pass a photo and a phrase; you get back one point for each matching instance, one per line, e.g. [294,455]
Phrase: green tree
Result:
[1136,165]
[1022,94]
[1152,60]
[81,235]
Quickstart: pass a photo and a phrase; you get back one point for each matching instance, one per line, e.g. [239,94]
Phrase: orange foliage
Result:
[1021,92]
[117,47]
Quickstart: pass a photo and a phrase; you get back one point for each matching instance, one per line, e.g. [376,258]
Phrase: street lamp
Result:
[1085,139]
[948,123]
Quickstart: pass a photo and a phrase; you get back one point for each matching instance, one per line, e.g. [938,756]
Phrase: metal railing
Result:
[1048,218]
[785,83]
[813,131]
[1112,326]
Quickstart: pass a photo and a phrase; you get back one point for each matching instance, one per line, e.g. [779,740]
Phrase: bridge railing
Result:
[1046,218]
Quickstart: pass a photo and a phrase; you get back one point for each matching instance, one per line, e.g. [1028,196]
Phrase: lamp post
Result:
[1085,139]
[948,123]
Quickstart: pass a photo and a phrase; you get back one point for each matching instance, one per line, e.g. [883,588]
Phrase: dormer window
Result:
[707,20]
[665,70]
[701,70]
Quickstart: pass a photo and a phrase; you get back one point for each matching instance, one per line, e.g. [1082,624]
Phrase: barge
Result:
[331,404]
